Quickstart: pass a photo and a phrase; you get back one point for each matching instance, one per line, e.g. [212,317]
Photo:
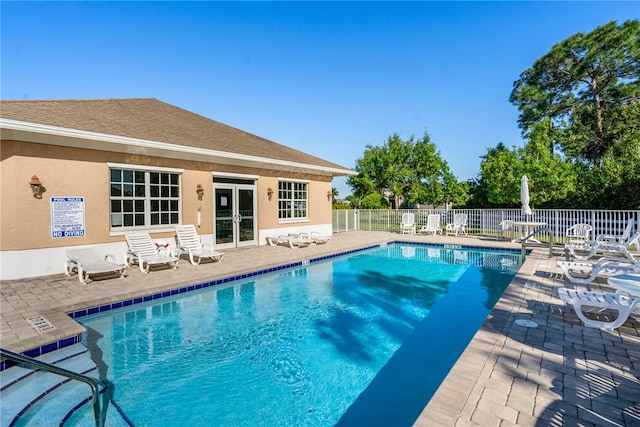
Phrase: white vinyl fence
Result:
[487,222]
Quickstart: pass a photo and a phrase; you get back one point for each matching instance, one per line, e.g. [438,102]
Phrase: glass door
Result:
[234,212]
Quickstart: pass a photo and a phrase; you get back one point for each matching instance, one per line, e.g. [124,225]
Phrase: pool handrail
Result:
[37,364]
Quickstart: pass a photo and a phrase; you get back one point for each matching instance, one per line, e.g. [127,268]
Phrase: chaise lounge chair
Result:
[605,244]
[88,262]
[433,225]
[317,239]
[189,244]
[597,302]
[408,224]
[458,225]
[583,273]
[145,253]
[293,240]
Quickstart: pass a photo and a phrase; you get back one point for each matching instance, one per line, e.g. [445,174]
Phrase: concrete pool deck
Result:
[558,373]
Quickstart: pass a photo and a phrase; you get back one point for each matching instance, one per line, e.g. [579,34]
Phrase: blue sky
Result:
[326,78]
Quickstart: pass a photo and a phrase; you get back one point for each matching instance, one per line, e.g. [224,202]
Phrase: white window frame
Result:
[146,199]
[293,200]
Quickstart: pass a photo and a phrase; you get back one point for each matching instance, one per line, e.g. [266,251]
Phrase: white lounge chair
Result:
[88,262]
[433,225]
[458,226]
[143,251]
[583,273]
[597,302]
[408,224]
[606,244]
[317,239]
[189,244]
[293,240]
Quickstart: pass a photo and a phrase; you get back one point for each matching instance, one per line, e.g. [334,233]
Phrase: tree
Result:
[410,171]
[334,194]
[579,88]
[374,201]
[551,178]
[583,98]
[500,173]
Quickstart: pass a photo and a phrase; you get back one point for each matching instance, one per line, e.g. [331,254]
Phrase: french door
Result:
[235,214]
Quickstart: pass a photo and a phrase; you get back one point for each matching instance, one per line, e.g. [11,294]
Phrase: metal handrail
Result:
[60,371]
[533,233]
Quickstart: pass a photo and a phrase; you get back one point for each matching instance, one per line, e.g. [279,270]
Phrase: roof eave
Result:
[75,138]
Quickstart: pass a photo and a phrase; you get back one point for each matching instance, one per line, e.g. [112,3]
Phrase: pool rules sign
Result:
[67,217]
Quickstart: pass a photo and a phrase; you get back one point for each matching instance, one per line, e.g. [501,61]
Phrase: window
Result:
[144,198]
[292,200]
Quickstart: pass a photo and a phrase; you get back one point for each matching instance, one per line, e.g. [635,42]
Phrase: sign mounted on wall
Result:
[67,217]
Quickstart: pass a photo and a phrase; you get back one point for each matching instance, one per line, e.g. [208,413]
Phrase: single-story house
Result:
[78,173]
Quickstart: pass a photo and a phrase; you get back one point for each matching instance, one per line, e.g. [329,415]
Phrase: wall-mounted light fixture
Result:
[270,192]
[36,187]
[199,191]
[329,195]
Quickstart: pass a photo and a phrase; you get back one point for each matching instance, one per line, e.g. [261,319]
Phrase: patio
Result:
[559,373]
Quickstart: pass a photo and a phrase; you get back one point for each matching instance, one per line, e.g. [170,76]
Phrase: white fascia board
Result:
[66,137]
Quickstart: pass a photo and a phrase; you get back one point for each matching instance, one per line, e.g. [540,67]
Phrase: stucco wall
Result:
[67,172]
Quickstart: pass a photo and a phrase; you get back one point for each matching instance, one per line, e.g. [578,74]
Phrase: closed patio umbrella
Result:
[524,196]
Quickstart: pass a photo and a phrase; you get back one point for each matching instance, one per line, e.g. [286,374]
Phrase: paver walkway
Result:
[559,373]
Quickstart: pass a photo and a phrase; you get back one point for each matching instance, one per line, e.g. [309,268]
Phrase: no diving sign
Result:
[67,217]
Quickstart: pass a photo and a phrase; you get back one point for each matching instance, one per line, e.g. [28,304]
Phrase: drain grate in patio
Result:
[40,324]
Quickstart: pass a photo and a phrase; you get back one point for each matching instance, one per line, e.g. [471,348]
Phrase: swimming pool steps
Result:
[31,397]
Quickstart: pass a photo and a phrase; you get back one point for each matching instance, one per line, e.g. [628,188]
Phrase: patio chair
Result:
[458,225]
[583,273]
[597,302]
[143,251]
[433,225]
[293,240]
[606,244]
[88,262]
[189,244]
[317,239]
[408,223]
[577,234]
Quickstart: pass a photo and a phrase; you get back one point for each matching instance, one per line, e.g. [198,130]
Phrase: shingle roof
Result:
[154,120]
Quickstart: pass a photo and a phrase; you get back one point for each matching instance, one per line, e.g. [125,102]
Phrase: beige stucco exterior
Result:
[72,145]
[73,172]
[70,172]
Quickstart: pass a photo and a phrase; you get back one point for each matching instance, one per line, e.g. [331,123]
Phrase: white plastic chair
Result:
[88,262]
[583,273]
[143,251]
[458,225]
[599,301]
[578,234]
[606,244]
[317,239]
[408,223]
[293,240]
[189,244]
[433,225]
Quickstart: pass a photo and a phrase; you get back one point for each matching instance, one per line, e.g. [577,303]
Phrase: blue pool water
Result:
[357,340]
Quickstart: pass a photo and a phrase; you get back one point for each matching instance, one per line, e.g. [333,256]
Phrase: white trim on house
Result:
[234,175]
[144,168]
[304,181]
[66,137]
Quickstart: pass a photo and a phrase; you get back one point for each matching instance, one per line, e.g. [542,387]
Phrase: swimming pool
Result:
[363,339]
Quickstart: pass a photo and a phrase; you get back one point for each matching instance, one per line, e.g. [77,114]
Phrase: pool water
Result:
[363,339]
